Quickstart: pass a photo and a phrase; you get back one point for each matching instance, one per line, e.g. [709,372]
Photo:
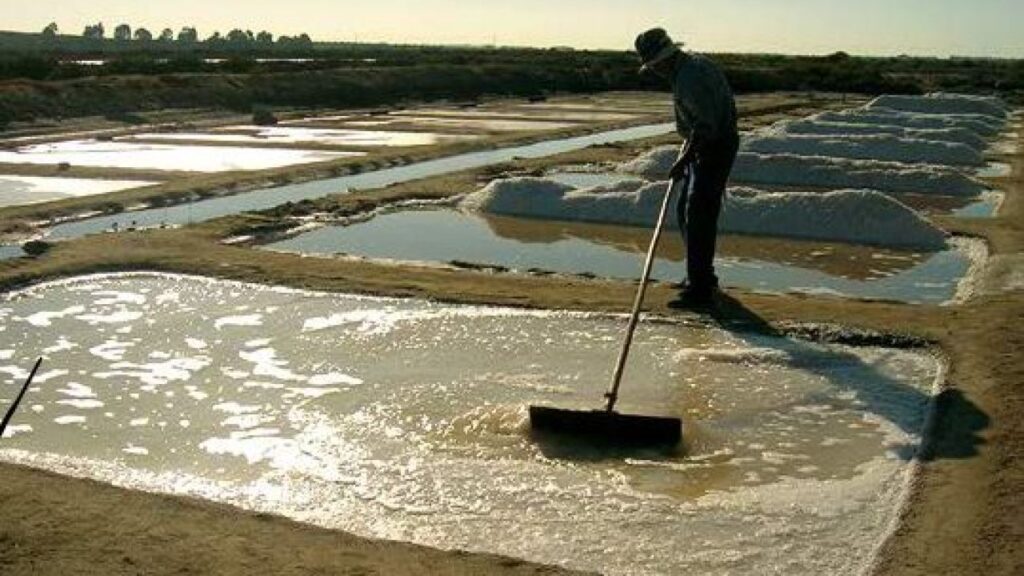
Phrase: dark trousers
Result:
[698,208]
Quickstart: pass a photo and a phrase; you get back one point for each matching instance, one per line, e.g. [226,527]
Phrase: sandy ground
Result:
[962,516]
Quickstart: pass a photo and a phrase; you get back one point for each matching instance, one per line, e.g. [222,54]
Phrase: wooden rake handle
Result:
[613,391]
[14,407]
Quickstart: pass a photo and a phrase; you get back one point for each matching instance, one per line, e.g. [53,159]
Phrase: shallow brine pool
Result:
[520,113]
[19,190]
[755,263]
[452,123]
[406,420]
[164,156]
[298,135]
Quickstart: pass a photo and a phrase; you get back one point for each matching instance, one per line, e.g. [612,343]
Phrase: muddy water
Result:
[406,420]
[759,264]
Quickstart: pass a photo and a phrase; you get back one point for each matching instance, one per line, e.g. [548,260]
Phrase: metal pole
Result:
[613,391]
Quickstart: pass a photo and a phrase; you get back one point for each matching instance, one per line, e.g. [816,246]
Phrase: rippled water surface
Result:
[407,420]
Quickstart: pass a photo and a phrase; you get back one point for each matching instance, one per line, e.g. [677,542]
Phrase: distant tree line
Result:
[188,35]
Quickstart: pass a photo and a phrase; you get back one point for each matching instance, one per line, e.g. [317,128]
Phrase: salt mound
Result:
[993,100]
[654,163]
[983,125]
[958,135]
[864,147]
[522,196]
[835,173]
[941,103]
[626,203]
[860,216]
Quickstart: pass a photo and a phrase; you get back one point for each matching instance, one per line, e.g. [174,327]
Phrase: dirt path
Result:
[966,511]
[58,525]
[963,516]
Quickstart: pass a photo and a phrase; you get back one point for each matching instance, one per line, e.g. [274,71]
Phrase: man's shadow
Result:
[950,427]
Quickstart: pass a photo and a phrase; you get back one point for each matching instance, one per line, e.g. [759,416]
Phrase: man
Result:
[706,119]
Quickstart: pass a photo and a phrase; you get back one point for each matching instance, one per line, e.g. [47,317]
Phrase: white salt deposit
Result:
[653,164]
[21,190]
[939,103]
[860,216]
[292,135]
[165,156]
[983,125]
[836,173]
[825,128]
[824,172]
[862,146]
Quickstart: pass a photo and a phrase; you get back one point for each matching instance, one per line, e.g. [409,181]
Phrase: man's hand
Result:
[682,166]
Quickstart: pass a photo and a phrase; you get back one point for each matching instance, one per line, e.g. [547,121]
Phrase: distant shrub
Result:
[36,247]
[263,117]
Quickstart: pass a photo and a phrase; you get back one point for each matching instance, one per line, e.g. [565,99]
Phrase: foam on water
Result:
[406,420]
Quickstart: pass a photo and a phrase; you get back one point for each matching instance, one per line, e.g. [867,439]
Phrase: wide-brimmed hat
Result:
[654,46]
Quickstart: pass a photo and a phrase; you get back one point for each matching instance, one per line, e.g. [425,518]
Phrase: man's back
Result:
[704,103]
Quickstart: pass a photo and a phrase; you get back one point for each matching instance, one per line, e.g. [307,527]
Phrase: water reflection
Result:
[756,263]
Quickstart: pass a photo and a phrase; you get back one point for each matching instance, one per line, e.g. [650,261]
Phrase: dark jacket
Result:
[705,108]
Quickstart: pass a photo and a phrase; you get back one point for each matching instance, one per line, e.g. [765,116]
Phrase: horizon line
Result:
[585,49]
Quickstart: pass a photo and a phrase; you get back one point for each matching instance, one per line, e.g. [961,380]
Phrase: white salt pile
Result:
[836,173]
[984,125]
[822,172]
[859,216]
[941,103]
[814,126]
[864,147]
[654,163]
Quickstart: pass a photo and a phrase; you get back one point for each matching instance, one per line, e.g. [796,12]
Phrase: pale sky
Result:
[874,27]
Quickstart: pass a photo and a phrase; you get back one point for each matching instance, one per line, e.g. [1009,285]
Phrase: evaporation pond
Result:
[755,263]
[457,123]
[164,156]
[520,113]
[293,135]
[18,190]
[407,420]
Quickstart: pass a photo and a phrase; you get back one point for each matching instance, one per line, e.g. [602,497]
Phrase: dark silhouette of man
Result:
[705,114]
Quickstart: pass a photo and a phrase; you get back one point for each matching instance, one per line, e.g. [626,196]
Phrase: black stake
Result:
[14,407]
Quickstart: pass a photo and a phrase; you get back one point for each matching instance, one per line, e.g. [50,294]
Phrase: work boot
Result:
[684,284]
[694,298]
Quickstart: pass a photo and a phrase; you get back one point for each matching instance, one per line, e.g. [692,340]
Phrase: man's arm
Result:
[685,108]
